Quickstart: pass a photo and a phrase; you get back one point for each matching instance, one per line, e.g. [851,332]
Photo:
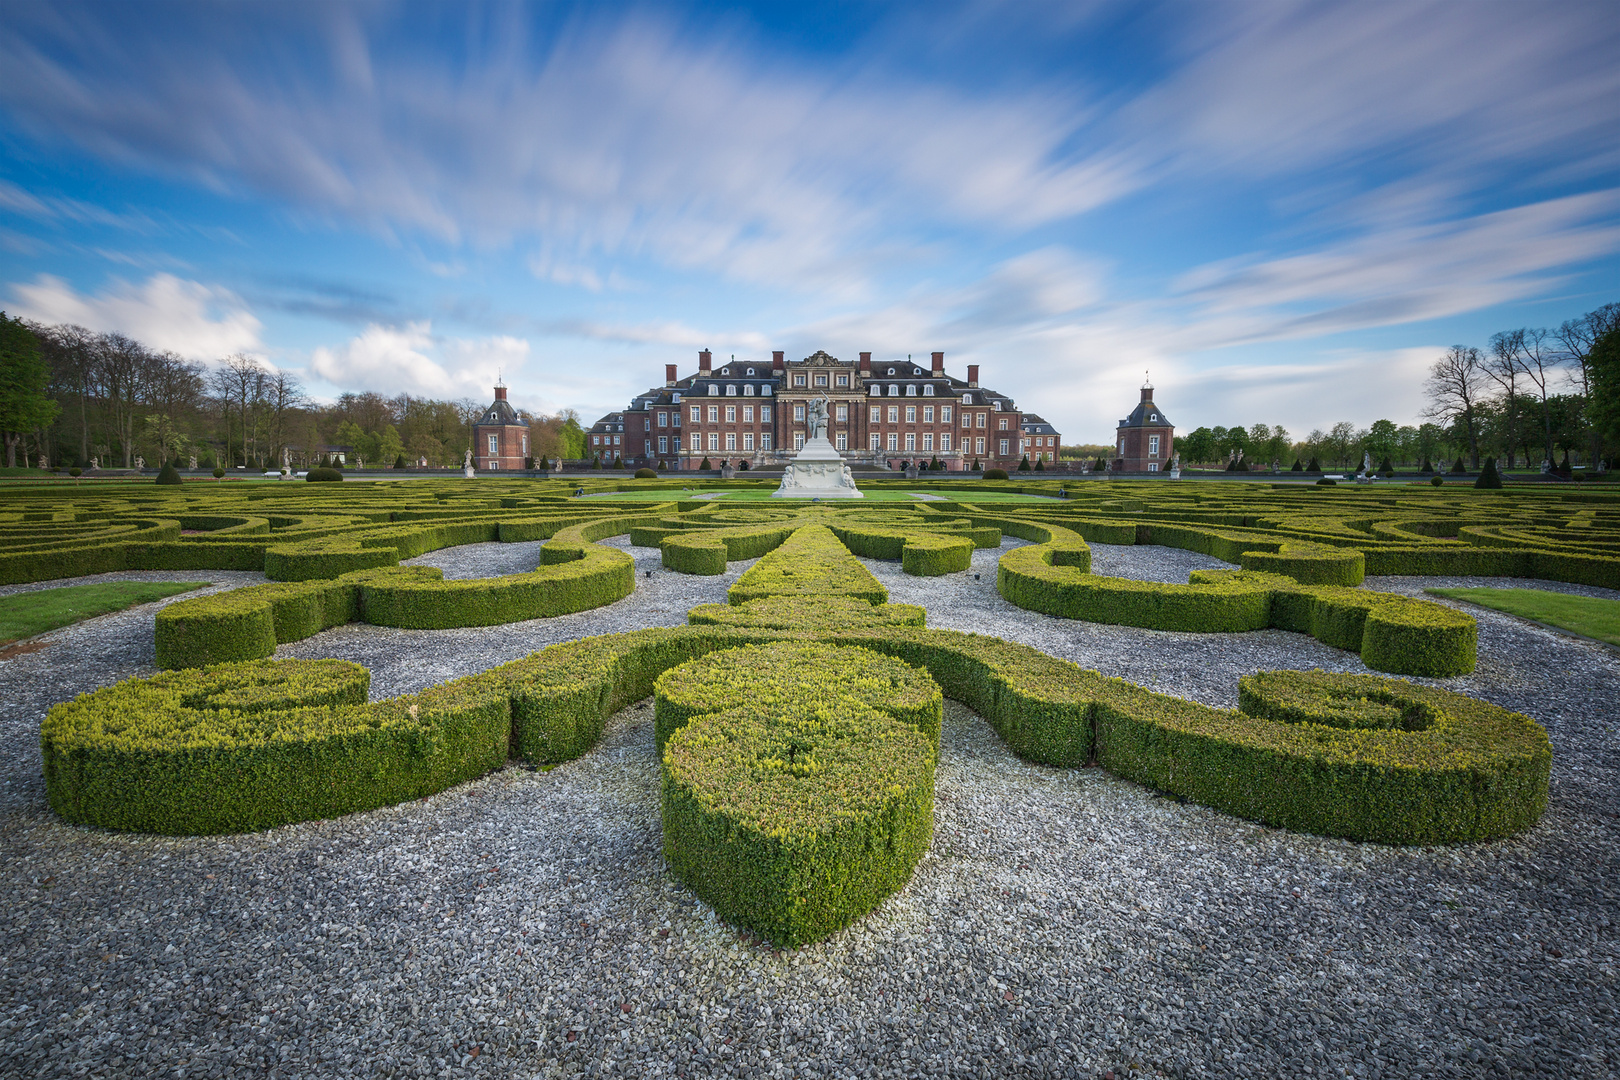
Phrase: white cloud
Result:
[410,359]
[200,322]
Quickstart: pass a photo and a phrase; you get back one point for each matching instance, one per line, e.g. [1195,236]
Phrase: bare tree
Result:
[1502,367]
[1537,357]
[1454,387]
[467,413]
[283,393]
[240,382]
[123,365]
[1575,340]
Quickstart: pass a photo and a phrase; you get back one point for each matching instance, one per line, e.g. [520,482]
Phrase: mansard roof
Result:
[500,412]
[1146,414]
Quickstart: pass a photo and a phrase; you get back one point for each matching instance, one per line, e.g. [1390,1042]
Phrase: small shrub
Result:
[168,474]
[316,476]
[976,466]
[219,472]
[1023,466]
[995,474]
[704,464]
[1325,482]
[1489,478]
[399,461]
[1040,465]
[1438,481]
[75,472]
[646,474]
[618,462]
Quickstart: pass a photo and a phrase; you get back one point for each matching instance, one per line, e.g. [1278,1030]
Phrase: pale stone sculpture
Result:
[467,465]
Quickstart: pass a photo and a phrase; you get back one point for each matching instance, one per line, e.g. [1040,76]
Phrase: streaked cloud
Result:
[197,321]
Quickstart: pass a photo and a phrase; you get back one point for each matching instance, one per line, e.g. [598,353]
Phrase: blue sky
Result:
[1284,211]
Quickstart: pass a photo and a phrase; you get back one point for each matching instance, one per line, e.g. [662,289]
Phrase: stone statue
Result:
[95,462]
[42,462]
[193,461]
[140,463]
[1366,461]
[467,464]
[286,463]
[816,413]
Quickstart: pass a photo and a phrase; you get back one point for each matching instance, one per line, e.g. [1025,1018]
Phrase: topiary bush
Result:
[704,465]
[1489,478]
[1298,466]
[995,474]
[323,475]
[1457,468]
[1314,466]
[1325,482]
[1437,481]
[646,474]
[168,475]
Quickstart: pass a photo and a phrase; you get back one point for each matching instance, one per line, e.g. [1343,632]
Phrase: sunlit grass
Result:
[25,614]
[1590,616]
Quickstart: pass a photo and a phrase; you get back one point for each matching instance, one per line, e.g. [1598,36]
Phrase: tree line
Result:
[1530,395]
[70,396]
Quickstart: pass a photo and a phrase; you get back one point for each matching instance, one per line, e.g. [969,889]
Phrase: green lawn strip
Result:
[26,614]
[1589,616]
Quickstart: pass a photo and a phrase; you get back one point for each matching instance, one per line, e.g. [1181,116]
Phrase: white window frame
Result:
[841,441]
[798,440]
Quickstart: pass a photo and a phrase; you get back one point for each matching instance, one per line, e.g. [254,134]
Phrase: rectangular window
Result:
[877,416]
[894,414]
[798,413]
[944,414]
[877,441]
[697,413]
[714,440]
[841,412]
[663,444]
[911,442]
[1153,466]
[821,380]
[967,419]
[928,441]
[646,424]
[978,446]
[928,414]
[1003,447]
[748,440]
[731,440]
[675,444]
[615,440]
[663,419]
[798,380]
[748,414]
[1122,446]
[843,440]
[764,414]
[714,414]
[842,380]
[1003,425]
[894,441]
[798,440]
[731,414]
[494,444]
[764,440]
[911,414]
[980,421]
[944,442]
[1153,446]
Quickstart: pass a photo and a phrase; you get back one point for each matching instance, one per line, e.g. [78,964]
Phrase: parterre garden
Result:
[799,724]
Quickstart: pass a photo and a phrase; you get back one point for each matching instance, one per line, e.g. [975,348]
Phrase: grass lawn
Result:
[872,495]
[30,613]
[1589,616]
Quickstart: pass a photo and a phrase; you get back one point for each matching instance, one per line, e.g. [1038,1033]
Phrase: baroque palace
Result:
[881,414]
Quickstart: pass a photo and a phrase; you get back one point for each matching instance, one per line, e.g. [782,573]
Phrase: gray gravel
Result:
[1063,923]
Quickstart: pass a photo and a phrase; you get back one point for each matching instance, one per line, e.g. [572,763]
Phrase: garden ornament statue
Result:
[467,464]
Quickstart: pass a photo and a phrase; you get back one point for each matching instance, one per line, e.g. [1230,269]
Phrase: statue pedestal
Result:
[468,473]
[817,472]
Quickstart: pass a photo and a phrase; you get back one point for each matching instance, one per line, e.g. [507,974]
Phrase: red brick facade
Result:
[500,438]
[1145,441]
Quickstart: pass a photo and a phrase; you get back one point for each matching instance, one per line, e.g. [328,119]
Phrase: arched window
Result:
[928,390]
[714,389]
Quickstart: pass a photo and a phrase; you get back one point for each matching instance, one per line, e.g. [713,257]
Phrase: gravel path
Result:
[1064,923]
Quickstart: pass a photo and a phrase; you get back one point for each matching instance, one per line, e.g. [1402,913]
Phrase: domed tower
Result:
[1145,440]
[501,437]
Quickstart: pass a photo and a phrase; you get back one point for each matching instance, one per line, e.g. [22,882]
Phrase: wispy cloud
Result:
[412,359]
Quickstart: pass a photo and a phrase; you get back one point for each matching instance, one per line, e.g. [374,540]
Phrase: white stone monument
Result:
[467,466]
[817,471]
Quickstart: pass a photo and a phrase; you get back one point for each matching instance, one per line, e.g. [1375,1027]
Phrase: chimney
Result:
[705,362]
[500,393]
[939,363]
[866,363]
[777,361]
[973,375]
[1147,394]
[669,374]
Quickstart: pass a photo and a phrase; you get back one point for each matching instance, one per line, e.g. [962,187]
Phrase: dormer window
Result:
[714,389]
[725,371]
[928,390]
[748,388]
[674,399]
[1153,416]
[750,371]
[967,399]
[911,389]
[731,390]
[891,371]
[765,390]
